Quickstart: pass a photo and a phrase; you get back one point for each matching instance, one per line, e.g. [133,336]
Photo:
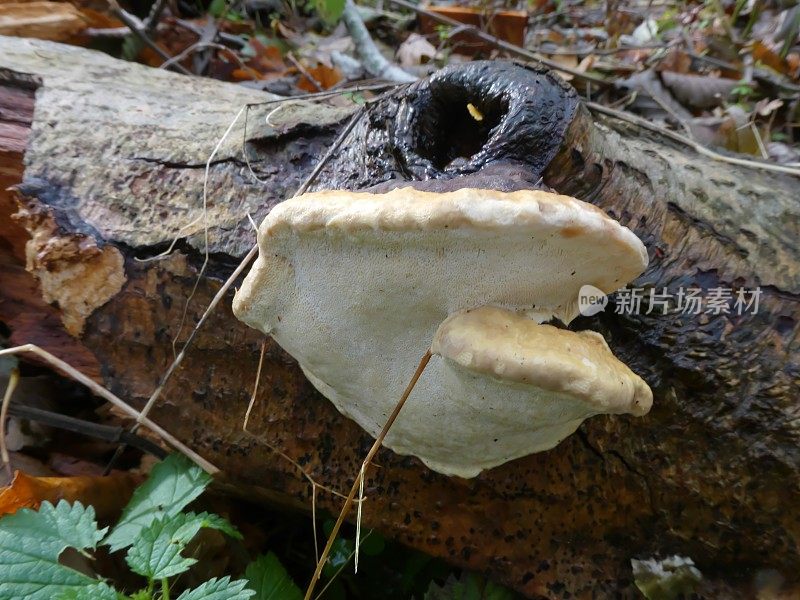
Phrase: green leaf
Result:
[156,553]
[355,97]
[31,542]
[372,543]
[98,591]
[330,10]
[219,589]
[468,587]
[217,8]
[270,581]
[341,551]
[212,521]
[173,483]
[131,48]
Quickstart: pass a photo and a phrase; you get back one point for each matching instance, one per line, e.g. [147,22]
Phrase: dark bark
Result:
[116,155]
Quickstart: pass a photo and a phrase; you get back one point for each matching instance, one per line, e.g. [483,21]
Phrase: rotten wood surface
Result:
[114,169]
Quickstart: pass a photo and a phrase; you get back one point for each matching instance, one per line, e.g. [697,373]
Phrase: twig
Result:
[757,135]
[228,38]
[223,290]
[341,567]
[247,107]
[107,32]
[758,74]
[503,45]
[326,94]
[742,162]
[212,305]
[669,110]
[278,451]
[99,390]
[139,31]
[314,520]
[194,48]
[358,512]
[151,22]
[303,71]
[348,503]
[597,51]
[374,62]
[172,245]
[13,380]
[107,433]
[314,484]
[205,239]
[255,385]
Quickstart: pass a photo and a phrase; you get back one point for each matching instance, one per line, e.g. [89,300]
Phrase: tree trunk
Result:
[113,170]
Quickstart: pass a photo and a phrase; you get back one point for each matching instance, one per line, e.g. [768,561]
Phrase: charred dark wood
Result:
[114,170]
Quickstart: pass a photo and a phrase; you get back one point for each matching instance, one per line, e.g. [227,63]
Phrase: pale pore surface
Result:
[354,286]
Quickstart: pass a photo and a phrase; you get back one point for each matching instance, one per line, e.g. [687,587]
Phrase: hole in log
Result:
[447,129]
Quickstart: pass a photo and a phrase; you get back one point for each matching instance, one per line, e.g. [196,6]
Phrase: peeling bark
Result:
[73,273]
[117,153]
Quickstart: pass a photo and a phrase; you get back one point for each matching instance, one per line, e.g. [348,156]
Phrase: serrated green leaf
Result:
[270,581]
[31,542]
[98,591]
[156,553]
[213,521]
[173,483]
[219,589]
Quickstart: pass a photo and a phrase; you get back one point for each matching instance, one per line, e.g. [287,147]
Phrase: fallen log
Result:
[114,158]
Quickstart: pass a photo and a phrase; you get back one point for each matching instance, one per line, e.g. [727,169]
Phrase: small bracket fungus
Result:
[357,286]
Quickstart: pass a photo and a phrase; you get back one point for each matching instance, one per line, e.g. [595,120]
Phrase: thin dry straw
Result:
[358,512]
[348,503]
[13,380]
[233,277]
[102,392]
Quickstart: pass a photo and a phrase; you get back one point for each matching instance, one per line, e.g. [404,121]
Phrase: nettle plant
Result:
[155,530]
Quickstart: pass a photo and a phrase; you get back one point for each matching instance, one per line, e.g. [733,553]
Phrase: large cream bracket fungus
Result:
[357,286]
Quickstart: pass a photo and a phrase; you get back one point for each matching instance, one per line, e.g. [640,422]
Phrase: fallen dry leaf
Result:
[793,62]
[569,61]
[766,107]
[268,60]
[55,21]
[324,76]
[698,91]
[768,57]
[107,494]
[508,25]
[737,133]
[416,50]
[676,60]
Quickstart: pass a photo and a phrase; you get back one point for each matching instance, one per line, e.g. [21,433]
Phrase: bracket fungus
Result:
[357,286]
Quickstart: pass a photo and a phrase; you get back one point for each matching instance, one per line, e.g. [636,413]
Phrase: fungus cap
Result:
[512,349]
[355,285]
